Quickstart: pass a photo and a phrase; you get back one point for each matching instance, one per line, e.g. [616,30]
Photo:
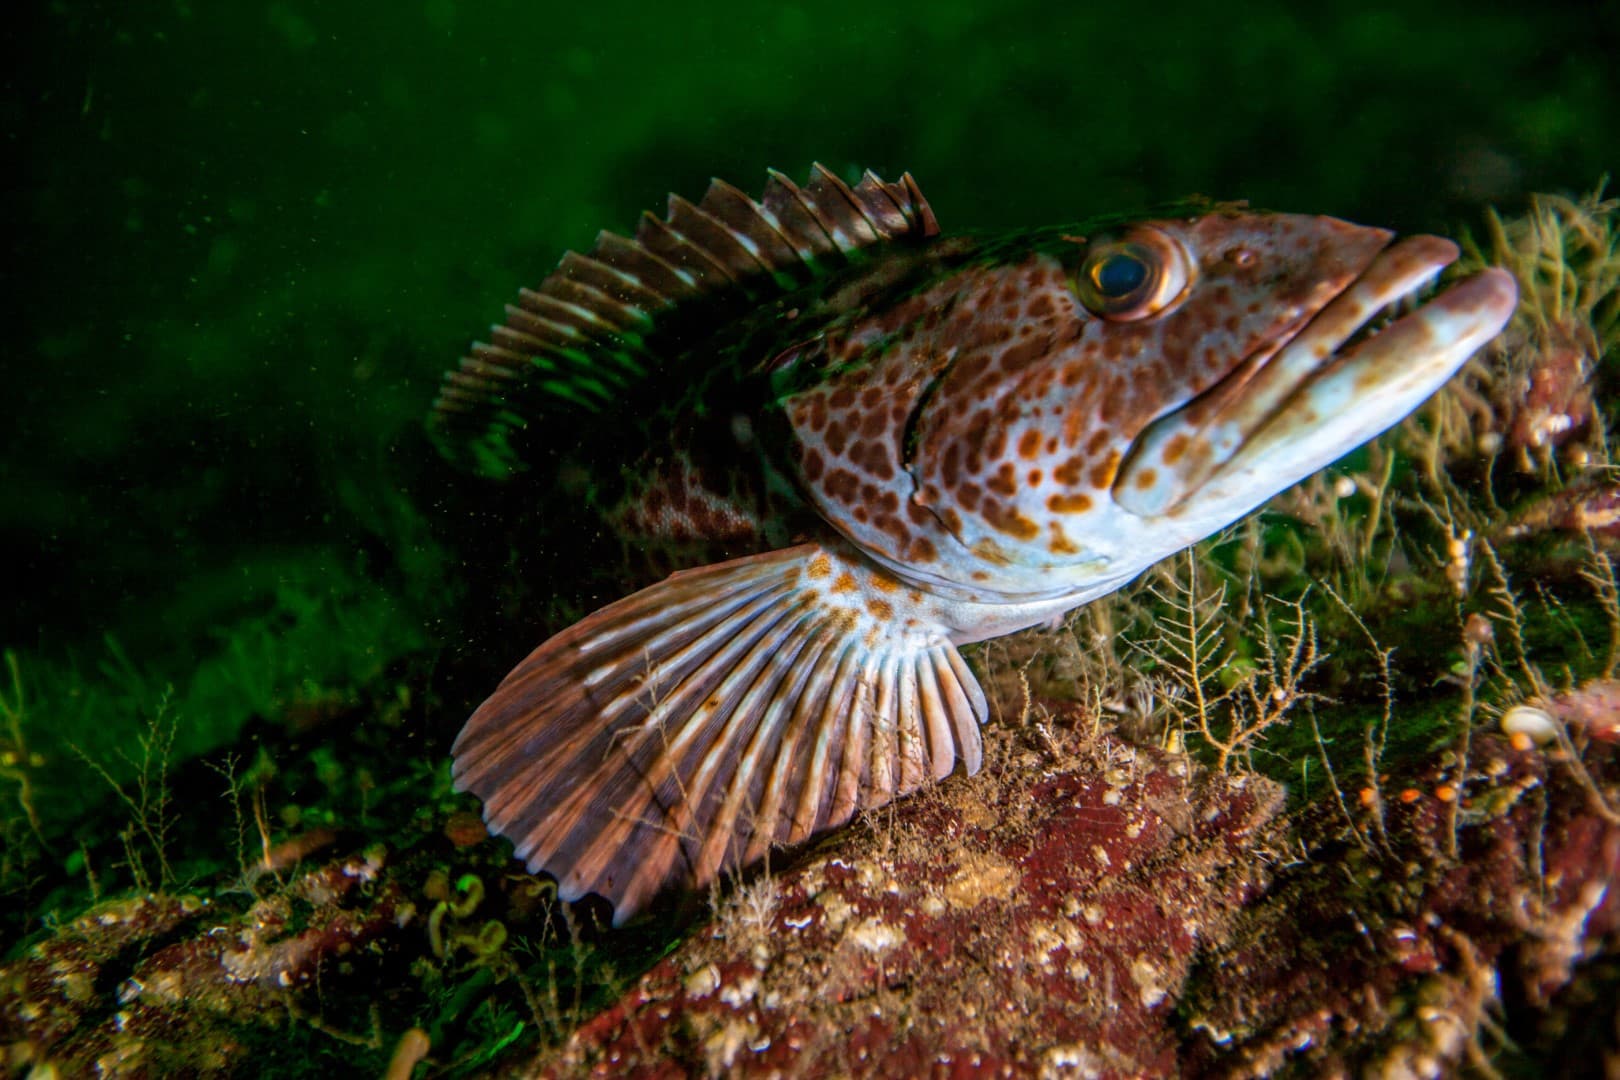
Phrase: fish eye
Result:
[1133,276]
[1118,274]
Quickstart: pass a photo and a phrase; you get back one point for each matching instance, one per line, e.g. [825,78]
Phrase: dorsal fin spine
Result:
[741,223]
[752,224]
[648,270]
[696,266]
[609,281]
[843,208]
[591,307]
[841,240]
[878,205]
[716,241]
[795,213]
[570,318]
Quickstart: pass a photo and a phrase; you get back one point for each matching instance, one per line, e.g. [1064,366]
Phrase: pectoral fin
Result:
[685,729]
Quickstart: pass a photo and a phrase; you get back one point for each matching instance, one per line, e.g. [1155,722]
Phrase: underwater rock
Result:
[998,925]
[188,983]
[1592,509]
[1115,912]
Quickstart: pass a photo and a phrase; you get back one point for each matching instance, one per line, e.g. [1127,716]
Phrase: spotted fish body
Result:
[890,443]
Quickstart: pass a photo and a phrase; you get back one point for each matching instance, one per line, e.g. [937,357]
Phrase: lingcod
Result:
[862,444]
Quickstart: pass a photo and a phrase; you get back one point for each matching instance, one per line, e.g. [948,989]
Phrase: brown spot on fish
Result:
[1175,448]
[1073,425]
[1147,478]
[988,550]
[818,412]
[1068,504]
[1005,482]
[843,485]
[892,525]
[1069,472]
[820,566]
[969,368]
[843,583]
[1107,408]
[883,583]
[920,550]
[1102,477]
[868,456]
[836,437]
[1029,444]
[1061,544]
[881,609]
[1023,354]
[1004,518]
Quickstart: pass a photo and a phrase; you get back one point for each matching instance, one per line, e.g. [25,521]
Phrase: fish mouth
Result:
[1366,359]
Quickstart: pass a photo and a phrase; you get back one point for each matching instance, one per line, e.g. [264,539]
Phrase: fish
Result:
[860,444]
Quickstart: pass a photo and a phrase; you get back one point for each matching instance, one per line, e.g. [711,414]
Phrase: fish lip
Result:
[1178,454]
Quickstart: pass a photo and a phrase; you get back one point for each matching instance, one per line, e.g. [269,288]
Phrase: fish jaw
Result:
[1316,399]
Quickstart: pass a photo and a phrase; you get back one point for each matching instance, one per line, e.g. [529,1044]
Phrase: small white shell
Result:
[1536,723]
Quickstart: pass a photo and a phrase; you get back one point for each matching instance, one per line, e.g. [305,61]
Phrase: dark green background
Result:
[245,239]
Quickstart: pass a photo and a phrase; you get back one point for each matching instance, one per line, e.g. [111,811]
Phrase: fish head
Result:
[1103,400]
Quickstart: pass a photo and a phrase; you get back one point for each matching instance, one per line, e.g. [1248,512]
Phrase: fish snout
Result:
[1369,356]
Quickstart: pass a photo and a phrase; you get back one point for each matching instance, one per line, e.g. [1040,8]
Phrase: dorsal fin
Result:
[583,335]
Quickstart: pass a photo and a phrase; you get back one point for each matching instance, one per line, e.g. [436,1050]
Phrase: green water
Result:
[246,239]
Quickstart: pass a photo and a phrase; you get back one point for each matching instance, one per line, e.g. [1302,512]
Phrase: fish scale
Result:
[866,444]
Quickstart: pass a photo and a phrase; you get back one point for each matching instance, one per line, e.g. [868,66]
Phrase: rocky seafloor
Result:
[1100,910]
